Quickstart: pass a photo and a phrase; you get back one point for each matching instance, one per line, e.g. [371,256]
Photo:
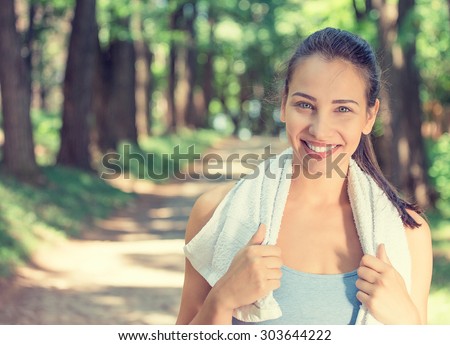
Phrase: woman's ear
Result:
[371,117]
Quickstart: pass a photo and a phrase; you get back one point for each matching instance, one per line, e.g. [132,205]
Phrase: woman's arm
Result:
[382,289]
[253,273]
[420,247]
[197,306]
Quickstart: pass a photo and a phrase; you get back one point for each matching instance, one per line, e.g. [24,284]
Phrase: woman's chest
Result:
[319,239]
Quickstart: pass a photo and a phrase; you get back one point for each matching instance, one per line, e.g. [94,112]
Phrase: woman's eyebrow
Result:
[336,101]
[301,94]
[342,101]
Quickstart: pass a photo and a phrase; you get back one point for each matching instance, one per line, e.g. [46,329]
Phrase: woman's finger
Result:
[362,297]
[260,250]
[367,274]
[272,262]
[364,286]
[274,273]
[374,263]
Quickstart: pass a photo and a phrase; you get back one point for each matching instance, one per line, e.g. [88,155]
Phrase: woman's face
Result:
[326,112]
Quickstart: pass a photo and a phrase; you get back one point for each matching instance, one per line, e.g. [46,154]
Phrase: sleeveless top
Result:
[314,299]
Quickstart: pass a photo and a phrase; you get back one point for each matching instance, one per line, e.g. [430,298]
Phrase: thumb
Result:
[382,255]
[258,236]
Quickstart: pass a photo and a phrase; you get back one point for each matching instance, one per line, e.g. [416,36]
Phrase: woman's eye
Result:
[343,109]
[304,105]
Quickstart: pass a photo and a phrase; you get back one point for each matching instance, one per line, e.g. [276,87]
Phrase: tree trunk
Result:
[15,80]
[103,132]
[29,37]
[208,73]
[448,3]
[181,86]
[385,146]
[405,164]
[122,103]
[189,110]
[208,87]
[416,183]
[78,87]
[174,113]
[144,59]
[172,108]
[190,65]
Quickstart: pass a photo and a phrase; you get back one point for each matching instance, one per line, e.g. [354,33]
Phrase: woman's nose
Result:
[320,128]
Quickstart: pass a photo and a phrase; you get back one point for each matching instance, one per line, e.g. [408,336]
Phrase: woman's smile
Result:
[319,151]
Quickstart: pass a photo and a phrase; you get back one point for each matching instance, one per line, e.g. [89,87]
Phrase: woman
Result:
[317,269]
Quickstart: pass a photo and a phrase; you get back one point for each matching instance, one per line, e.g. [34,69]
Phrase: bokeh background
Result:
[81,79]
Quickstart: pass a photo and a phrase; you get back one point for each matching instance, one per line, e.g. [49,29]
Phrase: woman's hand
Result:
[383,291]
[254,272]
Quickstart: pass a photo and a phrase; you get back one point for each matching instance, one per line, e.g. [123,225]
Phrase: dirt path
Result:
[127,269]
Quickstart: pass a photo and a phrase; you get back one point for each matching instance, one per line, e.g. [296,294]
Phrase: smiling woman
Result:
[330,242]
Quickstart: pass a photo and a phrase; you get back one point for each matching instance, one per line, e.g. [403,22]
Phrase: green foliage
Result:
[439,305]
[46,126]
[11,250]
[439,172]
[439,299]
[112,15]
[433,50]
[438,153]
[248,41]
[158,158]
[62,207]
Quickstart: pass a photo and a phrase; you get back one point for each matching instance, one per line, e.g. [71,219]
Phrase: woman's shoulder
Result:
[204,208]
[419,238]
[423,224]
[213,196]
[421,232]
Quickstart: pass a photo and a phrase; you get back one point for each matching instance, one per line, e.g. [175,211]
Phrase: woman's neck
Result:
[319,189]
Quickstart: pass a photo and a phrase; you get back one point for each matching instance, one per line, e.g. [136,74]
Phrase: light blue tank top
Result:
[315,299]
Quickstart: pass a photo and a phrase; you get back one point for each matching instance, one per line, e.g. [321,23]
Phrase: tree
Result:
[18,151]
[402,148]
[187,82]
[78,87]
[173,112]
[122,102]
[115,80]
[448,2]
[144,84]
[104,128]
[207,84]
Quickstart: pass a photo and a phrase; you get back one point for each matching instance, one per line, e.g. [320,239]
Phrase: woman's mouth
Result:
[319,151]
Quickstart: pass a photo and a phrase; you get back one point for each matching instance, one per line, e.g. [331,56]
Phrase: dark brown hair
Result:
[332,44]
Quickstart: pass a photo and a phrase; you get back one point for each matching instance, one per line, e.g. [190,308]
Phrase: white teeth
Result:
[320,148]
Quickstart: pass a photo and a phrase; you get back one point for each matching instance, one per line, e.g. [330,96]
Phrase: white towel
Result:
[260,197]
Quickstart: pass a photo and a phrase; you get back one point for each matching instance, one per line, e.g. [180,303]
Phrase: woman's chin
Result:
[334,165]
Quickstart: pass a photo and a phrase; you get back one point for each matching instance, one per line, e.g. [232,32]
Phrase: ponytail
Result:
[364,156]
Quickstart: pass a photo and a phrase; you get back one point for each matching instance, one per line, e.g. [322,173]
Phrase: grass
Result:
[438,307]
[29,215]
[439,300]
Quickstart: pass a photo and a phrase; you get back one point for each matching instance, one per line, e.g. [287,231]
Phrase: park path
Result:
[126,269]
